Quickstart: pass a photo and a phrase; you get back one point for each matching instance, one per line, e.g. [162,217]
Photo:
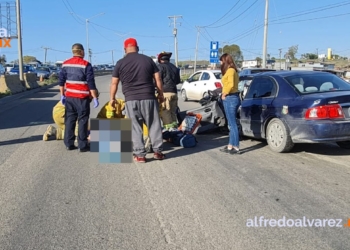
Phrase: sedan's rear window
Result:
[218,75]
[255,71]
[317,83]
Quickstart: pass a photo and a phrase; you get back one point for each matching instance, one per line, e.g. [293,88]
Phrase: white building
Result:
[250,64]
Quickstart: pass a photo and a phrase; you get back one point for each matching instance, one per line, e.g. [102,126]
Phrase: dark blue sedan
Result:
[288,107]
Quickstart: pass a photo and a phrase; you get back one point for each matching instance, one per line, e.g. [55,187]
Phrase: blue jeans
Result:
[231,104]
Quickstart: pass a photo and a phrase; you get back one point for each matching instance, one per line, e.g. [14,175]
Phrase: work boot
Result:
[59,134]
[50,132]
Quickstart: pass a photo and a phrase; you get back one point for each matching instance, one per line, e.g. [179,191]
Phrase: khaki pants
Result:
[169,107]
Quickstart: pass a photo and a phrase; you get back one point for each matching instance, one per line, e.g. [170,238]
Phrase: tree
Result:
[3,59]
[234,50]
[273,58]
[292,51]
[258,59]
[309,56]
[28,59]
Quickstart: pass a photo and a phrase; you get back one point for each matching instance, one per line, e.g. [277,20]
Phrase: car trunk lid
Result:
[328,98]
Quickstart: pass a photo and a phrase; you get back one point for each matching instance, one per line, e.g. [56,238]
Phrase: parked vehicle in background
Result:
[54,69]
[26,69]
[250,71]
[2,70]
[289,107]
[10,66]
[43,72]
[198,84]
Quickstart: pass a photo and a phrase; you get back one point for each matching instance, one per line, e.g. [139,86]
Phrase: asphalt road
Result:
[195,199]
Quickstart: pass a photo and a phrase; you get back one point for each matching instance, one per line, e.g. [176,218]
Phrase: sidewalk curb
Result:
[17,96]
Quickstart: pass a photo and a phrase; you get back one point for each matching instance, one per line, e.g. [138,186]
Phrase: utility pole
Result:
[317,52]
[175,37]
[19,33]
[265,33]
[90,55]
[45,48]
[112,58]
[280,59]
[195,55]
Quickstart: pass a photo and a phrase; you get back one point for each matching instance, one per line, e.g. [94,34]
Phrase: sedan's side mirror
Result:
[189,80]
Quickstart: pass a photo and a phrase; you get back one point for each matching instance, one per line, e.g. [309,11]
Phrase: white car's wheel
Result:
[278,136]
[183,95]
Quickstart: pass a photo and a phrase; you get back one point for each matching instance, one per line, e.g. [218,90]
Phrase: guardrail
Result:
[103,72]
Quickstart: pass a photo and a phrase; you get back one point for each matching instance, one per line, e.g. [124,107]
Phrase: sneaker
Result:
[230,151]
[159,156]
[224,149]
[235,151]
[139,159]
[50,131]
[173,129]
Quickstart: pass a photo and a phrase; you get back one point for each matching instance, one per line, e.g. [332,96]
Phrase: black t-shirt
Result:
[135,72]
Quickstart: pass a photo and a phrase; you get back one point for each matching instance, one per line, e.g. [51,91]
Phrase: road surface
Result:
[197,198]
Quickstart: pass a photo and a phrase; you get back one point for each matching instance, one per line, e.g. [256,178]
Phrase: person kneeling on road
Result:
[57,133]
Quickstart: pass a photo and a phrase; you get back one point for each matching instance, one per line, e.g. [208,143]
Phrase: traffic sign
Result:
[214,52]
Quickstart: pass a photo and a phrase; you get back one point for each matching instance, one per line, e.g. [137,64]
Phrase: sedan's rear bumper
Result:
[302,131]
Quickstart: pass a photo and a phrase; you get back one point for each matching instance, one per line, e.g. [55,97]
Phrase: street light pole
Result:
[19,33]
[265,33]
[87,38]
[87,31]
[195,55]
[121,36]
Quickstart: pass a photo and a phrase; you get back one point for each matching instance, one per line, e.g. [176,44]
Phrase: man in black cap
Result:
[170,76]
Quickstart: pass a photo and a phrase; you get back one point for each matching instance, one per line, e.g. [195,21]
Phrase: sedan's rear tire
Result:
[278,136]
[183,95]
[344,144]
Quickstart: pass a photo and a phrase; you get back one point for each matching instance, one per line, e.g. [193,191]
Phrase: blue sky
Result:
[311,25]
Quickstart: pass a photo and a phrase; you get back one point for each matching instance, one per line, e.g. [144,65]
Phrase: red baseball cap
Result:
[130,42]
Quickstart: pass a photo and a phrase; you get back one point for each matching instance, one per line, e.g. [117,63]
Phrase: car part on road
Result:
[278,136]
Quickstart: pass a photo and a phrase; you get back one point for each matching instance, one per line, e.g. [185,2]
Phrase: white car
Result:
[197,85]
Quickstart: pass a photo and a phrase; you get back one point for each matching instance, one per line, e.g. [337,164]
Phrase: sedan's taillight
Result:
[218,85]
[333,111]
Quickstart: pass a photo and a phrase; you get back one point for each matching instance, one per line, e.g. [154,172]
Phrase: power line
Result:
[223,15]
[236,16]
[325,7]
[311,11]
[71,10]
[316,18]
[116,31]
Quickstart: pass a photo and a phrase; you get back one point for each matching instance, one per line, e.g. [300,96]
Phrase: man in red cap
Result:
[137,72]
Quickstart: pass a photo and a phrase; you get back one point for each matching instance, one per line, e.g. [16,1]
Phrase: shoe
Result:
[50,131]
[235,152]
[83,150]
[140,159]
[159,156]
[232,151]
[224,149]
[173,129]
[71,147]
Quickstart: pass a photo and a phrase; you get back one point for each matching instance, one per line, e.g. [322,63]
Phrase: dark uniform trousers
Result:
[77,109]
